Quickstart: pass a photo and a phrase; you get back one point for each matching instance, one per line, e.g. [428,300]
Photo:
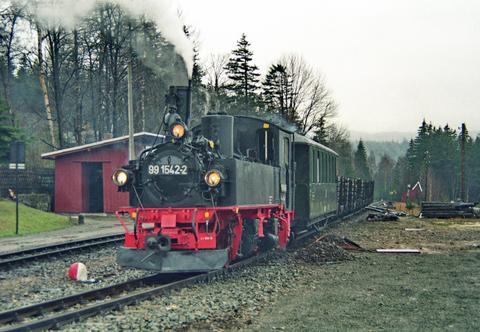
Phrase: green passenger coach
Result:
[316,182]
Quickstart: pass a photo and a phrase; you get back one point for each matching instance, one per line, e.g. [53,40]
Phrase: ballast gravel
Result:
[217,305]
[46,279]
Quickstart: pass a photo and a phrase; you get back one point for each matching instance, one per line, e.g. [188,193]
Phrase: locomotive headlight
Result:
[213,178]
[178,130]
[120,177]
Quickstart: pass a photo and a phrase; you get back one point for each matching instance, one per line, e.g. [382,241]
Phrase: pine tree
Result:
[321,133]
[7,132]
[360,161]
[243,75]
[277,88]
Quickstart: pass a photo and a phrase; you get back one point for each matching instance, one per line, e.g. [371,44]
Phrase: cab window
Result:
[266,149]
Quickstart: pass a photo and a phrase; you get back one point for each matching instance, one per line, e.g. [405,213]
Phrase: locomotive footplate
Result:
[173,261]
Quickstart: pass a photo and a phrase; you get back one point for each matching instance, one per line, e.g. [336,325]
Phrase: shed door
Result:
[92,187]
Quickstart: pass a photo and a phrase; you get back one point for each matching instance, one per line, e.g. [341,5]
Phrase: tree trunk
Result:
[78,119]
[54,44]
[43,86]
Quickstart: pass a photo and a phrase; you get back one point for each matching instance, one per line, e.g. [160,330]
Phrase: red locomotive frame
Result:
[198,228]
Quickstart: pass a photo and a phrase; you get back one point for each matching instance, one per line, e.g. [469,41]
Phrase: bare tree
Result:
[217,80]
[307,99]
[216,73]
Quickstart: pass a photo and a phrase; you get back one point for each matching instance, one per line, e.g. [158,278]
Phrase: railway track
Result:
[16,257]
[52,319]
[58,312]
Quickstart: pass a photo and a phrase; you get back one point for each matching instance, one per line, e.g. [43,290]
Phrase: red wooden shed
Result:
[83,174]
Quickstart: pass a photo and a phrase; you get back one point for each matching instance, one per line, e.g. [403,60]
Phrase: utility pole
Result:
[131,144]
[462,162]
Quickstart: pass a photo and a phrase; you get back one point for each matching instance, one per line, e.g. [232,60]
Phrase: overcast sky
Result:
[388,63]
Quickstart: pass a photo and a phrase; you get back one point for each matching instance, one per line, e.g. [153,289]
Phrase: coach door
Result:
[286,169]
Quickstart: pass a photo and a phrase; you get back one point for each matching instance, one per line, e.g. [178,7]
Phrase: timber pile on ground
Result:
[323,250]
[448,210]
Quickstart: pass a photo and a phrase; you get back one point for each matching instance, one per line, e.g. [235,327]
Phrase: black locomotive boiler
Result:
[229,188]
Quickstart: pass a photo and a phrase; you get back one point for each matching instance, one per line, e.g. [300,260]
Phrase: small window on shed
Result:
[318,167]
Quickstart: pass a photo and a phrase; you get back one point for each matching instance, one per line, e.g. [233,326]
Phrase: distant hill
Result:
[396,136]
[390,148]
[381,136]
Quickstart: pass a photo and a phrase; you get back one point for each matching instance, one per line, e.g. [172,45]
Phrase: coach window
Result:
[332,172]
[334,169]
[320,167]
[286,151]
[330,168]
[327,168]
[314,166]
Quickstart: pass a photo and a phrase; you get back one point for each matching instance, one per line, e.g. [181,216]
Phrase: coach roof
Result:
[305,140]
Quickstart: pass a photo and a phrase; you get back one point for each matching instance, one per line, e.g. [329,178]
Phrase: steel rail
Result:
[15,257]
[62,303]
[57,320]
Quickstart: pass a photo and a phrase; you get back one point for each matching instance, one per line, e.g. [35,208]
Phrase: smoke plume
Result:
[68,13]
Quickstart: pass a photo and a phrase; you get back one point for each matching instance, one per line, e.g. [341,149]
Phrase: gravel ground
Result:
[47,279]
[438,290]
[239,296]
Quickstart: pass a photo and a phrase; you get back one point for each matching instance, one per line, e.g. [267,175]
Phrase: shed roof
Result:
[96,145]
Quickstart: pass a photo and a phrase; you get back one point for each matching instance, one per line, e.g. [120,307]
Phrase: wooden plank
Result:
[398,251]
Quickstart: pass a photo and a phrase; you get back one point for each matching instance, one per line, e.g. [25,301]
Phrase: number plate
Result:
[168,170]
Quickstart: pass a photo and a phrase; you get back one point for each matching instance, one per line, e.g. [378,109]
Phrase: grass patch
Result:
[31,220]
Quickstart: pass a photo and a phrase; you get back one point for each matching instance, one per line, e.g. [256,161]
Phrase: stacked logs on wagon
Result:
[449,210]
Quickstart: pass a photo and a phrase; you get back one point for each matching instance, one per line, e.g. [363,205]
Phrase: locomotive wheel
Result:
[270,240]
[249,242]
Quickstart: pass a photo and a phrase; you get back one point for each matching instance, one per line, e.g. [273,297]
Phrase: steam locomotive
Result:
[226,189]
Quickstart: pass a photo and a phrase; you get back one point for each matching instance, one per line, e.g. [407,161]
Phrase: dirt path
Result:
[436,290]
